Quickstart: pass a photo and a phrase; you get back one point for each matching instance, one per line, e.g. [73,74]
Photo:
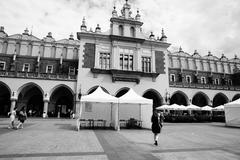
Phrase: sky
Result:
[202,25]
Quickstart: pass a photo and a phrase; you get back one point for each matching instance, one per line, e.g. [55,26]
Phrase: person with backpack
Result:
[22,117]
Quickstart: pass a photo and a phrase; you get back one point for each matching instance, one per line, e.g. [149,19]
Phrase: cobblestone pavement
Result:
[58,139]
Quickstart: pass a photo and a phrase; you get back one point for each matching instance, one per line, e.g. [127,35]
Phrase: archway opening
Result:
[200,100]
[122,92]
[5,102]
[32,98]
[237,96]
[219,99]
[61,103]
[178,98]
[157,99]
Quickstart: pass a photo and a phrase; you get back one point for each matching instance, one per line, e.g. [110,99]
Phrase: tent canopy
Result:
[193,107]
[233,103]
[206,108]
[99,96]
[132,97]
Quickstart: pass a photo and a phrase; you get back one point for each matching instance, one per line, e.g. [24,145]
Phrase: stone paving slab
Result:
[58,139]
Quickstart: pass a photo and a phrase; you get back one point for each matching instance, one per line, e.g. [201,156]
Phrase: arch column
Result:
[45,106]
[13,100]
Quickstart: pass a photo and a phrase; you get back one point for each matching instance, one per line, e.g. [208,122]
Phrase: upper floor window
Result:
[146,64]
[230,82]
[26,67]
[188,79]
[53,51]
[120,29]
[5,46]
[217,81]
[64,52]
[71,71]
[17,48]
[172,77]
[41,50]
[75,53]
[126,59]
[104,60]
[203,80]
[49,69]
[132,32]
[2,65]
[29,50]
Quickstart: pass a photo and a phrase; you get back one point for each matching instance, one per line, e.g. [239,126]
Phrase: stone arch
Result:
[179,98]
[200,99]
[30,95]
[235,97]
[5,103]
[92,89]
[121,91]
[61,101]
[219,99]
[155,96]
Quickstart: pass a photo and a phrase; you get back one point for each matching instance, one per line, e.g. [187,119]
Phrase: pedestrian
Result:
[12,117]
[22,117]
[157,123]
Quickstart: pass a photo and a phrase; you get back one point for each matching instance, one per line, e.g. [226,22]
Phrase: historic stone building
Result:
[47,75]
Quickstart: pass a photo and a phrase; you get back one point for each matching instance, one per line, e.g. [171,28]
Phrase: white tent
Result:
[142,113]
[218,108]
[163,107]
[232,113]
[206,108]
[177,107]
[103,110]
[193,107]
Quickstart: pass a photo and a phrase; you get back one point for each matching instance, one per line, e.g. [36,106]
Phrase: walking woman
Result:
[157,122]
[22,117]
[12,117]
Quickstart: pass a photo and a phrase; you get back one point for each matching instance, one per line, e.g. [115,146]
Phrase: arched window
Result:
[64,52]
[17,48]
[53,51]
[120,28]
[29,51]
[132,32]
[5,46]
[75,53]
[41,49]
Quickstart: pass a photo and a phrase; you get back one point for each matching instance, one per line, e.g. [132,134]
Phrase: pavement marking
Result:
[117,147]
[51,154]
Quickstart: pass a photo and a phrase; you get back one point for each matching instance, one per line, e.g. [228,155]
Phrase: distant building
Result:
[48,76]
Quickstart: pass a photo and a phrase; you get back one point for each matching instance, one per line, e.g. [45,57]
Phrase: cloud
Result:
[193,24]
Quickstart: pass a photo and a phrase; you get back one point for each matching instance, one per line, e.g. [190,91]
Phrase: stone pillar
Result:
[45,109]
[13,100]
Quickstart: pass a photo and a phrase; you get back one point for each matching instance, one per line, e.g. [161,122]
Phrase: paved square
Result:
[58,139]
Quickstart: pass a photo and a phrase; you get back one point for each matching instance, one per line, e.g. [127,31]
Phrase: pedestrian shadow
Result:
[224,126]
[68,127]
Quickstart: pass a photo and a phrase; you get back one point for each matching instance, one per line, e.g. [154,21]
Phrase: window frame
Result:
[104,60]
[172,78]
[190,79]
[48,69]
[4,66]
[24,67]
[203,80]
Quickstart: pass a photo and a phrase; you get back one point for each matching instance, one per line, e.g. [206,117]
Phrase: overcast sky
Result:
[204,25]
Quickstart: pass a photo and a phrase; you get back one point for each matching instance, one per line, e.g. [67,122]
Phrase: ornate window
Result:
[5,46]
[104,61]
[49,69]
[64,52]
[75,53]
[203,80]
[188,79]
[120,29]
[41,50]
[53,51]
[29,50]
[17,48]
[71,71]
[217,81]
[172,77]
[132,32]
[26,67]
[146,64]
[2,65]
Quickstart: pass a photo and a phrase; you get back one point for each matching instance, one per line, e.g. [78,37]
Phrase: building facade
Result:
[49,76]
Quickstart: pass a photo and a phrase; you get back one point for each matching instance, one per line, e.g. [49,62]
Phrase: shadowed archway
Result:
[179,98]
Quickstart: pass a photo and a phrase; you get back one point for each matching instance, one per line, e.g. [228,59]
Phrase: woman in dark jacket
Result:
[22,117]
[157,121]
